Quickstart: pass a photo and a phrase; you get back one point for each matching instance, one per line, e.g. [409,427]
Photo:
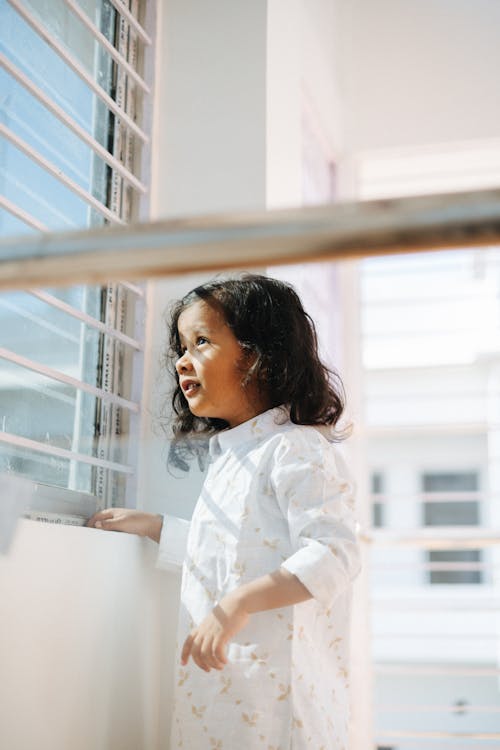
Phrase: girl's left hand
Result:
[206,644]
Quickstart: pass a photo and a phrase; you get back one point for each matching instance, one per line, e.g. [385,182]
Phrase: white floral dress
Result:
[276,494]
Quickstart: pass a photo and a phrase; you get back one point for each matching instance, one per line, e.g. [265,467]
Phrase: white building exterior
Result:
[431,351]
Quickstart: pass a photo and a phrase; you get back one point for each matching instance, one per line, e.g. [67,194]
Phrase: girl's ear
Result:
[249,362]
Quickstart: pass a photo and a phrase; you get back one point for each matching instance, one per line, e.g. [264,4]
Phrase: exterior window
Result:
[378,508]
[68,142]
[449,512]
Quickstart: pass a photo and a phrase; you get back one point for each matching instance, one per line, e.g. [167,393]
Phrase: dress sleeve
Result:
[317,500]
[173,543]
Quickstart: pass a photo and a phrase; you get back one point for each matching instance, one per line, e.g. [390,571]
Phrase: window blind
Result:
[71,139]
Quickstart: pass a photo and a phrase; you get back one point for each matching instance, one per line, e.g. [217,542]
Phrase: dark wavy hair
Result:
[268,320]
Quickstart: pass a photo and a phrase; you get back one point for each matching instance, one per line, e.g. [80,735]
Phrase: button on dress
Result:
[276,494]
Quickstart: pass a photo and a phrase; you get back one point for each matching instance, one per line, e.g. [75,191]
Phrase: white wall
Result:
[418,72]
[209,152]
[418,397]
[439,690]
[84,623]
[209,156]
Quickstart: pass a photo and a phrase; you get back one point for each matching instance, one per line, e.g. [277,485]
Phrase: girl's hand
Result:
[128,520]
[206,644]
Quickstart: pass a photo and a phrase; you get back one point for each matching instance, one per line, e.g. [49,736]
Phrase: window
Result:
[69,147]
[378,508]
[449,512]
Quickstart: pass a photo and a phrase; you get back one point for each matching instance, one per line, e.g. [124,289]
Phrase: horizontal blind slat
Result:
[49,299]
[112,51]
[132,20]
[34,445]
[37,320]
[46,165]
[22,215]
[53,374]
[68,121]
[72,63]
[132,288]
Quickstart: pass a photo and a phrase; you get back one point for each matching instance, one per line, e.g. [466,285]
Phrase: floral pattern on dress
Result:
[276,494]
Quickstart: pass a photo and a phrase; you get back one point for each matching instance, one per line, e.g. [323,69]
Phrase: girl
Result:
[271,552]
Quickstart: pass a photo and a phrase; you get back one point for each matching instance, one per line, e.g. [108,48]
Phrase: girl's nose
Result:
[183,364]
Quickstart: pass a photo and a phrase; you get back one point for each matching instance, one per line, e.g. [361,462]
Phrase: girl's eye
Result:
[201,340]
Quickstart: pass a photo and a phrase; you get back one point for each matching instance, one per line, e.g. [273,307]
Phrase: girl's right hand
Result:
[128,520]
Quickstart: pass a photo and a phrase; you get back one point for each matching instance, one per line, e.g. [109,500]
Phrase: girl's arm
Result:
[168,531]
[206,644]
[128,520]
[277,589]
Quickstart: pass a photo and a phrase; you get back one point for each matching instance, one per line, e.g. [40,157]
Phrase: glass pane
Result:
[455,576]
[32,405]
[451,514]
[25,48]
[52,470]
[39,194]
[450,482]
[36,407]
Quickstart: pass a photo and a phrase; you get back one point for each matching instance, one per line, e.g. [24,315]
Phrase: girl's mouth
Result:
[190,387]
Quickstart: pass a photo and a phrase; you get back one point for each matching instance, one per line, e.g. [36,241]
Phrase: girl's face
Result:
[212,367]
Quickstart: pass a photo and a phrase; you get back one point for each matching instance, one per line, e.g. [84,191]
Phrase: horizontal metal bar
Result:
[60,377]
[112,51]
[88,320]
[435,537]
[22,215]
[51,450]
[77,68]
[133,22]
[70,123]
[183,246]
[46,165]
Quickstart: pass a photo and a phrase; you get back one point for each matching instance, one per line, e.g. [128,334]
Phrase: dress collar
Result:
[263,424]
